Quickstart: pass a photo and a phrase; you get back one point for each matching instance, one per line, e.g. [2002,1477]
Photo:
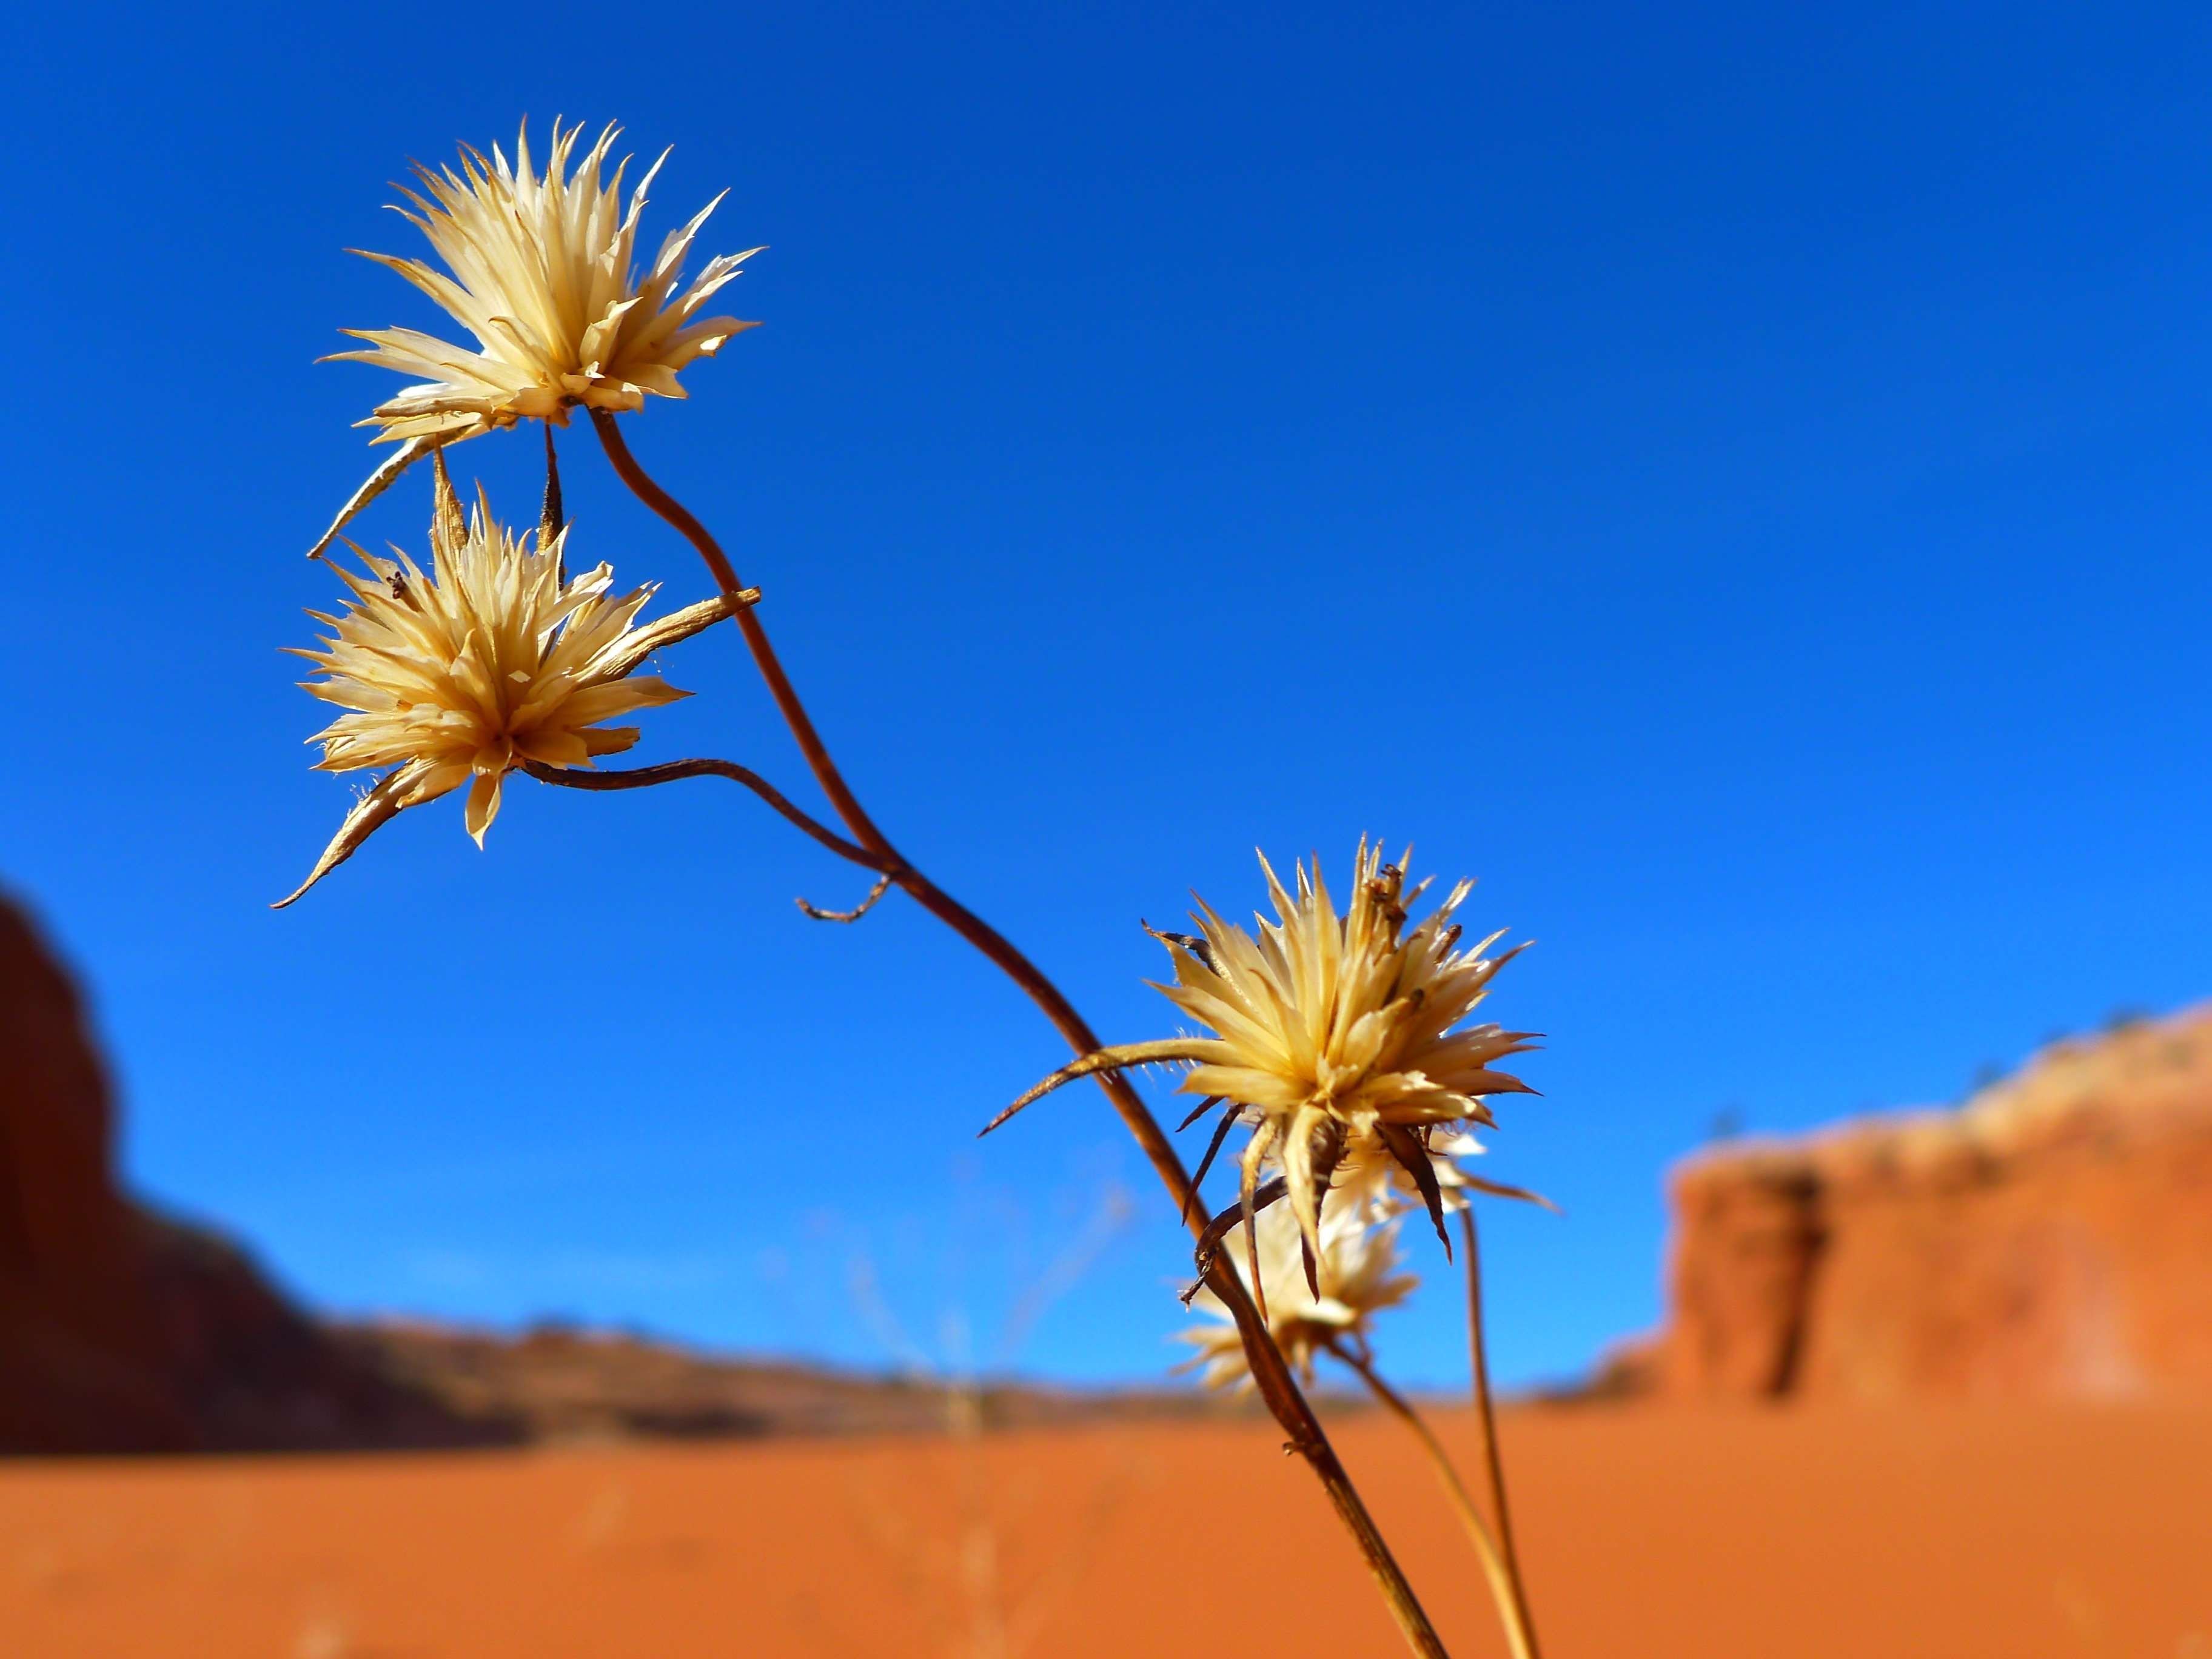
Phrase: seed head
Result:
[1339,1035]
[1356,1268]
[540,271]
[489,660]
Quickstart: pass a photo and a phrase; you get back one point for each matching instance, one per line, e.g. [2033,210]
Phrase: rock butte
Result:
[2050,1238]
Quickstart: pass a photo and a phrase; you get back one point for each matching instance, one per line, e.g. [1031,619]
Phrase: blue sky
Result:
[1733,480]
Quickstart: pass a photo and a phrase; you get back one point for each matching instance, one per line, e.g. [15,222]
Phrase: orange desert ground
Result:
[1650,1530]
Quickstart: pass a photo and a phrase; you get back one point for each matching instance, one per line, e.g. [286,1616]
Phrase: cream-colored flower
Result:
[1357,1269]
[543,277]
[1330,1030]
[492,658]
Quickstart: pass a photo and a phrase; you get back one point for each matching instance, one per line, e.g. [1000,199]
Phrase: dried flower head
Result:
[542,275]
[1357,1267]
[492,658]
[1330,1031]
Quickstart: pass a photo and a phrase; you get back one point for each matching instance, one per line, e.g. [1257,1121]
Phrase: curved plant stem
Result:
[1518,1635]
[1494,1460]
[1276,1385]
[640,777]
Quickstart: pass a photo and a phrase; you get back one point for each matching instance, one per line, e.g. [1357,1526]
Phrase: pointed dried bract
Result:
[489,660]
[1337,1034]
[1372,1175]
[541,271]
[1356,1268]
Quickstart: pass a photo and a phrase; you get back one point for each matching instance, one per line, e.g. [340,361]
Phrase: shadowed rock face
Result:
[125,1331]
[122,1331]
[2052,1239]
[79,1351]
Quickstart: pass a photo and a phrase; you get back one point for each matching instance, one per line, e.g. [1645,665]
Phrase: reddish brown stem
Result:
[1503,1592]
[641,777]
[1278,1388]
[1493,1460]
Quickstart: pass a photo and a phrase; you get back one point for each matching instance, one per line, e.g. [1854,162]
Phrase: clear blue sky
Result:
[1733,479]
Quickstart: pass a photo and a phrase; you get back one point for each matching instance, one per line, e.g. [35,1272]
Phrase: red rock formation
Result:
[2053,1237]
[77,1336]
[122,1331]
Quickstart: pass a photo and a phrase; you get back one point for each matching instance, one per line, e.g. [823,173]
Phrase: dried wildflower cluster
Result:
[496,658]
[1337,1039]
[1341,1040]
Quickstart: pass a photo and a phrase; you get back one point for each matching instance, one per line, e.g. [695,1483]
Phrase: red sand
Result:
[2009,1532]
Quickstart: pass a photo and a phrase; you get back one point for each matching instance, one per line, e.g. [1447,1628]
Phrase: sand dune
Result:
[1651,1532]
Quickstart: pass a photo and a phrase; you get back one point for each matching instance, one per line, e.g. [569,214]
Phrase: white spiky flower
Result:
[1356,1269]
[1330,1032]
[493,658]
[541,271]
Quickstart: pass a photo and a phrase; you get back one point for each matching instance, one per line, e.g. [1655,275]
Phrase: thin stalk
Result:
[1518,1637]
[1494,1460]
[640,777]
[1278,1388]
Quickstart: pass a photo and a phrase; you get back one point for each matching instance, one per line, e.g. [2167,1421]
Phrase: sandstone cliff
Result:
[2052,1237]
[76,1322]
[121,1330]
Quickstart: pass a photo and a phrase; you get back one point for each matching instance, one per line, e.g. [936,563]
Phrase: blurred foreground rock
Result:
[2050,1238]
[125,1331]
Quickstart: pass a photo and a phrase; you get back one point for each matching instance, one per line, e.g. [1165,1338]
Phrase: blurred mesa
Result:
[2050,1238]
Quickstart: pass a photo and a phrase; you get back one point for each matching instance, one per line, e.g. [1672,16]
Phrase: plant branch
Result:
[1502,1588]
[1492,1459]
[764,658]
[1278,1388]
[643,777]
